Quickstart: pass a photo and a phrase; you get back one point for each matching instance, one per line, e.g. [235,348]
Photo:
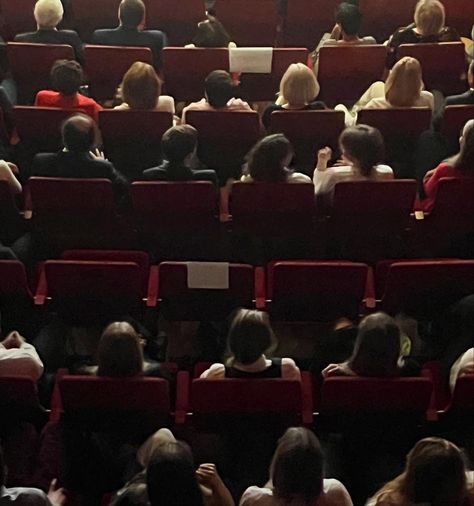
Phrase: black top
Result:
[122,36]
[312,106]
[274,371]
[168,172]
[466,98]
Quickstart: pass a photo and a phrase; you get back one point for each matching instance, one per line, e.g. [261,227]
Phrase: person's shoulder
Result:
[466,98]
[205,175]
[69,33]
[27,496]
[216,371]
[156,34]
[103,34]
[298,177]
[155,174]
[316,105]
[24,37]
[254,494]
[383,169]
[368,39]
[335,493]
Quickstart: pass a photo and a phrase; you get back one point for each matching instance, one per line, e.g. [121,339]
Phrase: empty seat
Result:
[454,119]
[17,17]
[443,64]
[422,288]
[459,15]
[86,17]
[308,131]
[105,67]
[185,69]
[345,73]
[30,65]
[316,290]
[12,224]
[132,139]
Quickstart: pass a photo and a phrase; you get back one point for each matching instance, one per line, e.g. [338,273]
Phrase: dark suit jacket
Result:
[166,172]
[122,36]
[466,98]
[68,37]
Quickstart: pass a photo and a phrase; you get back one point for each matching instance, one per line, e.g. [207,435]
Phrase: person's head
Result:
[66,76]
[298,86]
[211,33]
[297,468]
[349,18]
[171,479]
[363,147]
[404,83]
[250,336]
[465,159]
[435,474]
[48,13]
[179,143]
[120,351]
[79,133]
[131,13]
[219,88]
[141,87]
[429,17]
[377,347]
[268,159]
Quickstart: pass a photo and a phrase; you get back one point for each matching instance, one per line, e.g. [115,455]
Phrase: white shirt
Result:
[19,496]
[23,361]
[425,99]
[234,104]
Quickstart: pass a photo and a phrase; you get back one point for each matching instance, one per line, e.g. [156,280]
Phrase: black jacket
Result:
[68,37]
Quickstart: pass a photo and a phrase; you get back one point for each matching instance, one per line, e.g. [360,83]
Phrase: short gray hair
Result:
[48,13]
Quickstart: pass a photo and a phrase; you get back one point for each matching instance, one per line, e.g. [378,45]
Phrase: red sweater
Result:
[47,98]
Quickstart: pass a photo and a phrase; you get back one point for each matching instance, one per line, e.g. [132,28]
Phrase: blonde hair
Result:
[404,83]
[298,85]
[141,87]
[429,17]
[48,13]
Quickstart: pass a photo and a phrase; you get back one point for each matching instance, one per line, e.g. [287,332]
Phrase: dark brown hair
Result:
[131,13]
[211,33]
[178,142]
[265,161]
[66,76]
[219,87]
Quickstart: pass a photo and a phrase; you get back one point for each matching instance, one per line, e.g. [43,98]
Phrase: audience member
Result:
[435,474]
[132,15]
[464,365]
[298,92]
[19,358]
[268,161]
[362,149]
[460,165]
[66,78]
[219,93]
[141,89]
[250,336]
[297,476]
[8,172]
[48,15]
[211,33]
[429,26]
[466,98]
[179,145]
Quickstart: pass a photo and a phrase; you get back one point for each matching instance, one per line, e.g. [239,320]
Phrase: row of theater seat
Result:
[344,72]
[262,23]
[291,290]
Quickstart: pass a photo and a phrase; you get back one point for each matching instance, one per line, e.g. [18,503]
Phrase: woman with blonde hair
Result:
[298,91]
[141,89]
[435,474]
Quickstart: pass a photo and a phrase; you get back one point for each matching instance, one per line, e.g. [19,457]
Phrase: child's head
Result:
[179,143]
[363,147]
[250,336]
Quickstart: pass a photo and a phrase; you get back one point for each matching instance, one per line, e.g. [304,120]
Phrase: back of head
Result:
[364,146]
[48,13]
[465,160]
[178,142]
[348,16]
[266,161]
[211,33]
[429,17]
[171,480]
[79,133]
[141,86]
[377,347]
[219,88]
[120,351]
[297,468]
[66,76]
[404,83]
[250,335]
[298,86]
[131,13]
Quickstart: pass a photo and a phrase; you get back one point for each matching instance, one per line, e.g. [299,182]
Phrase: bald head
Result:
[79,133]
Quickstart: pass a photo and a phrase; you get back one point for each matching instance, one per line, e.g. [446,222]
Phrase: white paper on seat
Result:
[257,60]
[208,275]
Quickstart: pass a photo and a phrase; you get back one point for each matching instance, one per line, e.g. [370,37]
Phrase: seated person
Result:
[179,145]
[464,365]
[141,89]
[268,161]
[132,16]
[435,474]
[297,476]
[362,149]
[250,336]
[219,94]
[8,172]
[298,92]
[466,98]
[211,33]
[429,27]
[48,15]
[377,351]
[19,358]
[66,79]
[460,165]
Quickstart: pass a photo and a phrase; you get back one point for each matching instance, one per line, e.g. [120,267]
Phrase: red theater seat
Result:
[454,119]
[17,17]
